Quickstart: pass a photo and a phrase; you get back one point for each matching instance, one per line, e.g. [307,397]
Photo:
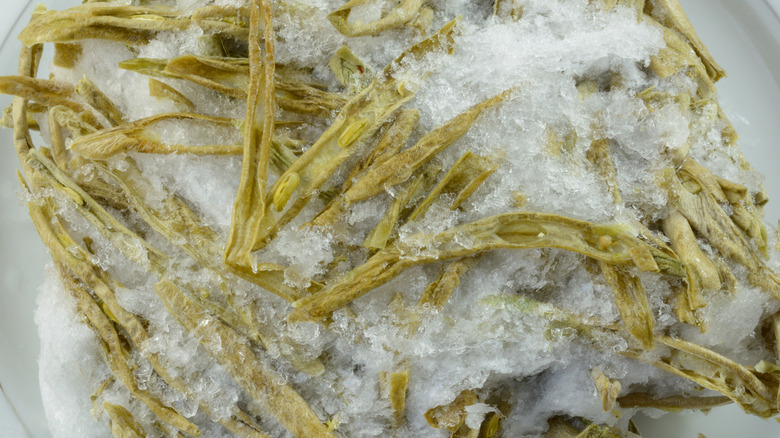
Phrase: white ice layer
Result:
[482,339]
[70,365]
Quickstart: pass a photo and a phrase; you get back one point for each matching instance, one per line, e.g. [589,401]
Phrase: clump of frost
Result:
[475,414]
[70,365]
[209,185]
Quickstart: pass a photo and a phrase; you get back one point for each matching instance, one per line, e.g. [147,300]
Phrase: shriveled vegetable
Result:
[350,70]
[123,425]
[262,383]
[161,90]
[608,243]
[403,13]
[452,415]
[673,404]
[249,207]
[461,181]
[405,244]
[140,136]
[714,371]
[357,121]
[125,24]
[400,167]
[231,76]
[438,292]
[608,388]
[671,14]
[98,100]
[395,384]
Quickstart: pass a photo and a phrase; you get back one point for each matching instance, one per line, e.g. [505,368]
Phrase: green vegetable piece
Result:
[140,136]
[675,403]
[350,70]
[227,75]
[250,204]
[679,56]
[701,270]
[98,100]
[452,415]
[74,123]
[672,15]
[161,90]
[592,328]
[45,92]
[463,178]
[689,196]
[401,166]
[439,291]
[394,138]
[608,388]
[631,303]
[775,320]
[655,99]
[508,8]
[394,386]
[229,21]
[379,236]
[33,109]
[67,55]
[57,140]
[360,118]
[123,425]
[608,5]
[718,373]
[130,25]
[612,244]
[491,425]
[257,379]
[598,154]
[230,76]
[403,13]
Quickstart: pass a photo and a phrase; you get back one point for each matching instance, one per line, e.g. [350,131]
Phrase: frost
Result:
[578,150]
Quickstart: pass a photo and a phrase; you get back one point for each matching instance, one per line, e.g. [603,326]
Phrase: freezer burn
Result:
[415,218]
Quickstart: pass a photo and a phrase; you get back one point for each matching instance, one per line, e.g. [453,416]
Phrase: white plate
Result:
[744,37]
